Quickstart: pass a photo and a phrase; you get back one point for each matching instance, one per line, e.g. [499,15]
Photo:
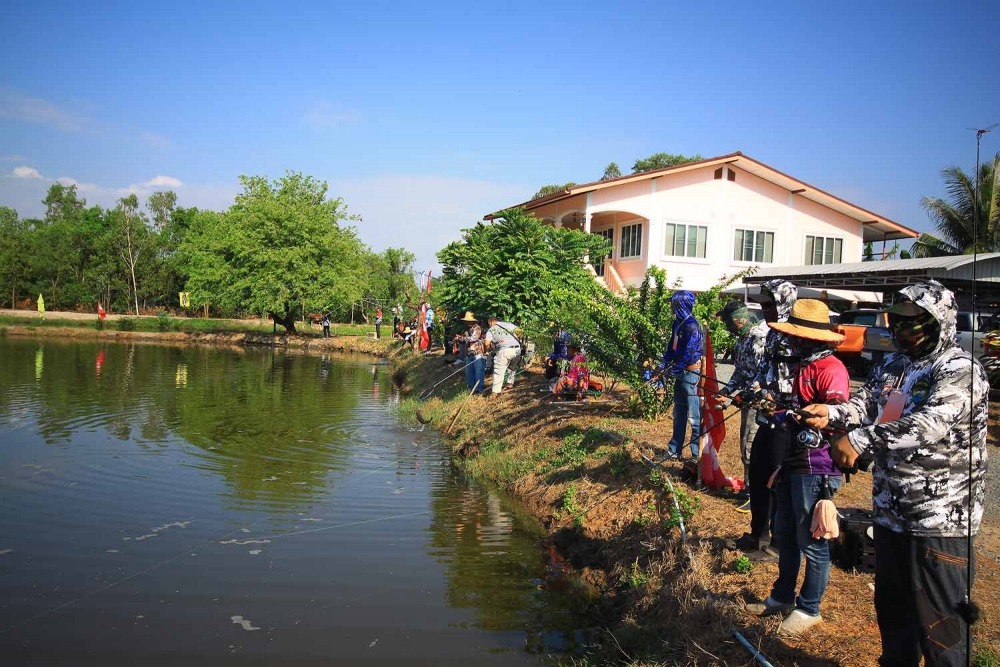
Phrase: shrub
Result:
[571,506]
[125,324]
[163,322]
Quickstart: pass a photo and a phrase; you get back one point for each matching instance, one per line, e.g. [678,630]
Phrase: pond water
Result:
[163,505]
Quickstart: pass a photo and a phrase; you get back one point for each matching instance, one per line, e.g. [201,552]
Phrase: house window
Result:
[823,250]
[631,241]
[753,246]
[684,240]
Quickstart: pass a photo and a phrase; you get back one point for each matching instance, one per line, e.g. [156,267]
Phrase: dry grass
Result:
[661,603]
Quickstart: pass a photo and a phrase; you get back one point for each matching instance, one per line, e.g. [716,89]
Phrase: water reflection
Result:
[152,490]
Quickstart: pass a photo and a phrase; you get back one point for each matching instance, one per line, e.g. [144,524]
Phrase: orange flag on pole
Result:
[713,428]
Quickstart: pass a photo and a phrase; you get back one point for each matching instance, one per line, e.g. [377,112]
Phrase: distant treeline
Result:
[282,249]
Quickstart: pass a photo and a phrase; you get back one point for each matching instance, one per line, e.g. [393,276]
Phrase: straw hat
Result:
[469,317]
[407,331]
[809,319]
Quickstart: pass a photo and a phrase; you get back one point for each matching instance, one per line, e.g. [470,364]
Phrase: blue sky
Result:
[424,117]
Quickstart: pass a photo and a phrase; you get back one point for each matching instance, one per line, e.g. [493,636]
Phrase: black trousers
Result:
[919,582]
[761,467]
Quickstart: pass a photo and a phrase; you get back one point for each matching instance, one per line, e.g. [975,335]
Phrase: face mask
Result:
[915,336]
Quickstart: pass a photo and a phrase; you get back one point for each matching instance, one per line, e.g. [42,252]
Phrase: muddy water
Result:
[162,506]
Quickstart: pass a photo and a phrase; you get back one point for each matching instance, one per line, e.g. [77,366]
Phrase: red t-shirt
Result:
[823,381]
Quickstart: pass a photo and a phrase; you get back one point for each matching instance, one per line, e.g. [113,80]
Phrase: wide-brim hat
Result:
[469,317]
[809,319]
[407,330]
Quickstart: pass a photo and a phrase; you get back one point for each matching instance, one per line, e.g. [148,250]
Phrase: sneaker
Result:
[673,456]
[743,496]
[746,543]
[797,622]
[744,507]
[770,607]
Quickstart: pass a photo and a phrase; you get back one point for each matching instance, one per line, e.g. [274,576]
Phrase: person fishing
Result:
[747,356]
[807,472]
[774,379]
[921,418]
[683,360]
[576,380]
[501,338]
[475,353]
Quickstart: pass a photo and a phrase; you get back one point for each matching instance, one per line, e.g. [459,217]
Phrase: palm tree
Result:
[954,216]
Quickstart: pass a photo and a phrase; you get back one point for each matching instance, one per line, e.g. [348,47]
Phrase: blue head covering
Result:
[683,304]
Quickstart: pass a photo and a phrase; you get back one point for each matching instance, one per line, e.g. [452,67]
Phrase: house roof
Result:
[954,271]
[876,227]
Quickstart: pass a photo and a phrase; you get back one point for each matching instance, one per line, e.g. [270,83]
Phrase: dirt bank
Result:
[580,468]
[357,344]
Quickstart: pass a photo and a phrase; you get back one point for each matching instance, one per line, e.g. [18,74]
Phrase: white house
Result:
[702,220]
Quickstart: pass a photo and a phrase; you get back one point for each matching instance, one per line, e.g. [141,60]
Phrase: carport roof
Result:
[955,272]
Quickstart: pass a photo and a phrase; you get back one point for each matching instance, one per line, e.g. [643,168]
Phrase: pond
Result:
[163,505]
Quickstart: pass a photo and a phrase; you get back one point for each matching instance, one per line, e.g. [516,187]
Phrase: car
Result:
[972,338]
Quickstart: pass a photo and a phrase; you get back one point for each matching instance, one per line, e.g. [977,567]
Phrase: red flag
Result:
[428,282]
[100,311]
[713,428]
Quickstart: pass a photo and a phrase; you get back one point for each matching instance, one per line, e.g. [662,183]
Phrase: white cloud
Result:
[163,181]
[26,172]
[25,108]
[325,115]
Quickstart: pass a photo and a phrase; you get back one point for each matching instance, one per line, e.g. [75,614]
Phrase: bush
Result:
[163,322]
[125,324]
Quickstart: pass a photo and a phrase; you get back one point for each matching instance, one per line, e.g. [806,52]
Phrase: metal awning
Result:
[956,273]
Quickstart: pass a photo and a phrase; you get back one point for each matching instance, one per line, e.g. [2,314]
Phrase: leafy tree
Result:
[661,161]
[280,248]
[131,239]
[611,171]
[954,217]
[161,207]
[14,254]
[547,190]
[513,266]
[625,335]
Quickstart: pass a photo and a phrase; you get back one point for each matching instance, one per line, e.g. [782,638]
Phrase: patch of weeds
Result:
[635,577]
[499,462]
[985,657]
[571,506]
[645,516]
[571,452]
[688,504]
[619,462]
[125,324]
[743,565]
[163,322]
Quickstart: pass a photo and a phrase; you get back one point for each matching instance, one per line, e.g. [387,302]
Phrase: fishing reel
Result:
[809,438]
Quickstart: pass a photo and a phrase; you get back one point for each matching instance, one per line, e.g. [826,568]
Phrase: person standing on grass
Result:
[501,339]
[747,355]
[326,325]
[378,322]
[774,380]
[922,415]
[683,360]
[475,354]
[807,473]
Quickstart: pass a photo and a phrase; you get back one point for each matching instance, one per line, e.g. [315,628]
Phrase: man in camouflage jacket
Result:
[747,355]
[923,421]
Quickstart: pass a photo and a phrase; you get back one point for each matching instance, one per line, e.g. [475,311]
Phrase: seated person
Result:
[554,362]
[576,380]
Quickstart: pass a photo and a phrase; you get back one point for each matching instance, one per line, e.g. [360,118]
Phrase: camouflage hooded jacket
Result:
[920,479]
[747,355]
[776,372]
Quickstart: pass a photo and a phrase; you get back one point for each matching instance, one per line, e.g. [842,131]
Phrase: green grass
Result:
[498,462]
[985,657]
[571,506]
[163,323]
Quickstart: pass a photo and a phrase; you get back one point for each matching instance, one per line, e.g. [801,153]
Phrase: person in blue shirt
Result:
[683,361]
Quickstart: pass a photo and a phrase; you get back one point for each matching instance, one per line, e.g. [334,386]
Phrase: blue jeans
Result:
[796,496]
[687,408]
[475,372]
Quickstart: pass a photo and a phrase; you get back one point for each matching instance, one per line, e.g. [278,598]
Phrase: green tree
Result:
[954,216]
[661,161]
[131,240]
[161,207]
[611,171]
[512,267]
[547,190]
[14,254]
[280,248]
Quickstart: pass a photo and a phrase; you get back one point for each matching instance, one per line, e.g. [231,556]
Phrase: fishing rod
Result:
[427,393]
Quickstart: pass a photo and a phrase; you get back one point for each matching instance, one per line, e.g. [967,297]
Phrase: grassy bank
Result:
[583,470]
[166,323]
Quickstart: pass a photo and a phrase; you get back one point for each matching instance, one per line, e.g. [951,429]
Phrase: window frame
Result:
[807,258]
[755,230]
[620,249]
[671,257]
